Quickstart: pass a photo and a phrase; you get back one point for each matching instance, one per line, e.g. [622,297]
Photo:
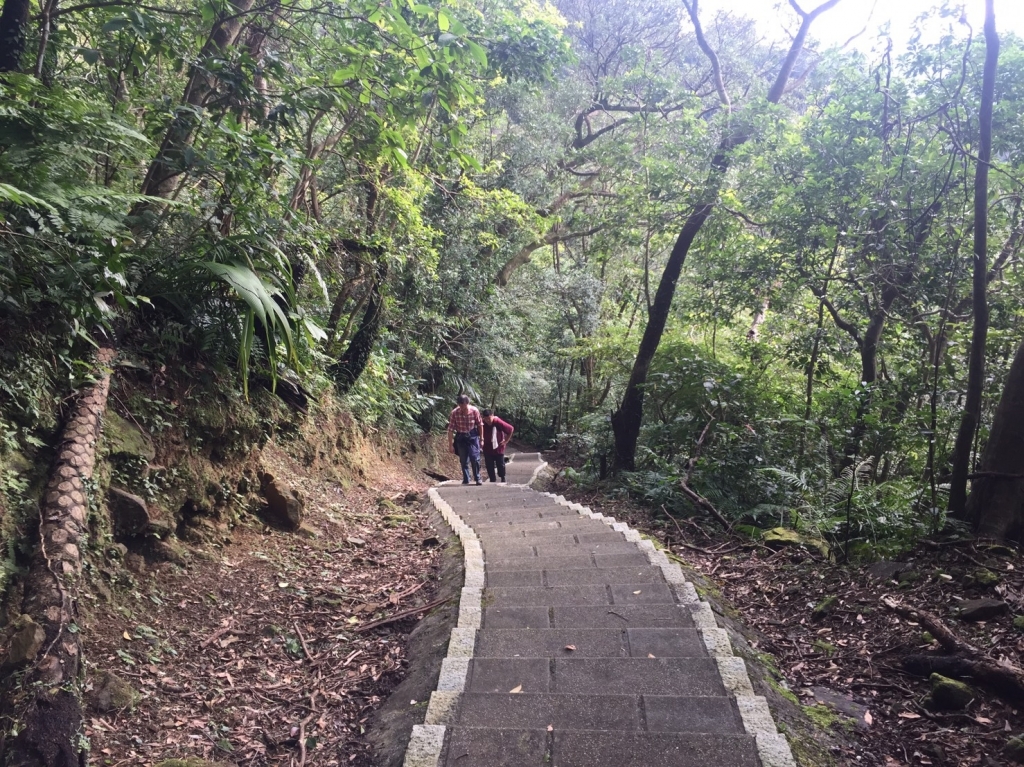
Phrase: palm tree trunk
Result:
[44,699]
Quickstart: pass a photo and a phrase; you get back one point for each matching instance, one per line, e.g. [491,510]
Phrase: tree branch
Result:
[716,66]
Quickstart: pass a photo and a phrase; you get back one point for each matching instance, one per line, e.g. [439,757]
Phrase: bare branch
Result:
[779,86]
[716,66]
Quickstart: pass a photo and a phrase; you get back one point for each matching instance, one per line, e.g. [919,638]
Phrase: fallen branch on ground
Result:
[403,614]
[1004,678]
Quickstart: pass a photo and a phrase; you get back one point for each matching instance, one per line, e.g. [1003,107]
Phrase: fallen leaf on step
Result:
[551,728]
[570,647]
[637,591]
[517,688]
[649,655]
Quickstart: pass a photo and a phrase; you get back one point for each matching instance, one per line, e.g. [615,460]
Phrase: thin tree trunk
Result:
[46,701]
[976,367]
[812,366]
[48,8]
[627,419]
[759,318]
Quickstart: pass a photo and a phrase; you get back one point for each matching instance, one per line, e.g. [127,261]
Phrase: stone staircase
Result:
[581,645]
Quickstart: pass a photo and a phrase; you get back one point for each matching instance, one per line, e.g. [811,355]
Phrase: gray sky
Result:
[836,26]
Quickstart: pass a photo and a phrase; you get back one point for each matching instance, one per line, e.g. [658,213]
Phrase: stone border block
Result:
[756,716]
[673,573]
[470,617]
[717,642]
[424,749]
[704,616]
[686,593]
[774,750]
[463,643]
[442,707]
[734,675]
[453,675]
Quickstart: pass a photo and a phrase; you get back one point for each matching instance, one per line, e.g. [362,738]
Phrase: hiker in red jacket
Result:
[497,433]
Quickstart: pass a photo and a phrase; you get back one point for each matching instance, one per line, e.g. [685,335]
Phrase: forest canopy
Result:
[741,276]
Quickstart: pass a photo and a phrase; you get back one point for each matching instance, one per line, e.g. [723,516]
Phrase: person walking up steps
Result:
[467,427]
[497,433]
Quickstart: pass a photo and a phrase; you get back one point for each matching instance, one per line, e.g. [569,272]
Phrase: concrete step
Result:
[631,713]
[633,558]
[538,526]
[492,747]
[491,515]
[576,535]
[590,643]
[614,617]
[501,550]
[586,594]
[576,577]
[596,676]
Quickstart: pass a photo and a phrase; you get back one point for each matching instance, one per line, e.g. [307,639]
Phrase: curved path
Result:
[579,644]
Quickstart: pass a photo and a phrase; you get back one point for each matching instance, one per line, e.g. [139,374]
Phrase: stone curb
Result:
[427,741]
[772,747]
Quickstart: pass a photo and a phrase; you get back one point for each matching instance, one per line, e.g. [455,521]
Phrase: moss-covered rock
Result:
[1014,749]
[783,537]
[396,520]
[824,607]
[948,694]
[1018,623]
[122,437]
[982,577]
[111,693]
[26,642]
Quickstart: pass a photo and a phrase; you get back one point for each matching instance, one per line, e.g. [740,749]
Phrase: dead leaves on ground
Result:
[256,658]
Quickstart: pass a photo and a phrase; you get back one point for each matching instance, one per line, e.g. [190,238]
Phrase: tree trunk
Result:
[976,367]
[995,508]
[45,699]
[168,165]
[352,363]
[13,34]
[869,371]
[626,420]
[759,318]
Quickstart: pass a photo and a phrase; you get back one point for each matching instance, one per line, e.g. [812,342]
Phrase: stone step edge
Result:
[772,747]
[427,740]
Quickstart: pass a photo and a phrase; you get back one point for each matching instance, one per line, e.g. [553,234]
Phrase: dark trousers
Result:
[495,462]
[469,454]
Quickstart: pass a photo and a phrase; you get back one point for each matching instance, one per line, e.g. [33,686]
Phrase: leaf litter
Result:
[270,648]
